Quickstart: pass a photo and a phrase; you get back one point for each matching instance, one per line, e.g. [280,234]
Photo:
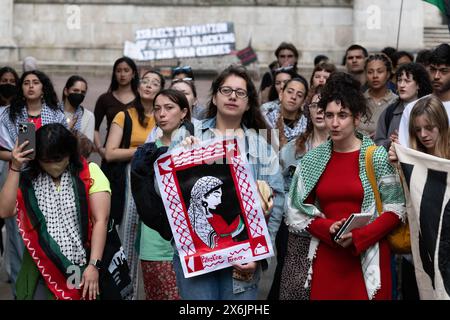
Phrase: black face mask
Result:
[8,90]
[75,99]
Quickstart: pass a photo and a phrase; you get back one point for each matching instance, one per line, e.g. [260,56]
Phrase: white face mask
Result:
[55,169]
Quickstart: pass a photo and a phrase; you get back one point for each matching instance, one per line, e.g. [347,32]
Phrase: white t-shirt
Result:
[403,135]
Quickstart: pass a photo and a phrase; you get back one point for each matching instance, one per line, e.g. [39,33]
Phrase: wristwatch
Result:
[96,263]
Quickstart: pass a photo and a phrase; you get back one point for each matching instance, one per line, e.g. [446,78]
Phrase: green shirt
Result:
[152,246]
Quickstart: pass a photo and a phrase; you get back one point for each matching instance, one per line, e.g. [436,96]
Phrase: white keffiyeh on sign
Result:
[58,205]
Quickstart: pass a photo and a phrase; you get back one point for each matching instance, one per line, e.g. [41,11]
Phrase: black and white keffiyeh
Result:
[8,129]
[78,115]
[58,205]
[199,214]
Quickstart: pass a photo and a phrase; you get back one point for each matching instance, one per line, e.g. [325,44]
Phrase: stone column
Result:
[8,48]
[376,24]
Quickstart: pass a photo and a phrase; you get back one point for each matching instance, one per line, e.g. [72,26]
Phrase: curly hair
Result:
[323,66]
[343,89]
[419,75]
[48,94]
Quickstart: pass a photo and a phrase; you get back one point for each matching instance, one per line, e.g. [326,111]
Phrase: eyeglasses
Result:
[340,115]
[146,82]
[227,91]
[184,68]
[313,105]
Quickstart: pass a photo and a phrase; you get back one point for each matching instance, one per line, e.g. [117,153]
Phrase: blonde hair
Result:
[434,110]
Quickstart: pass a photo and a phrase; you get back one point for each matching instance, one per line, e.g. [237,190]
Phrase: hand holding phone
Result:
[27,132]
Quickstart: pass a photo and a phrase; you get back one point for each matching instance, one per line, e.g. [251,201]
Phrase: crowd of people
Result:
[58,208]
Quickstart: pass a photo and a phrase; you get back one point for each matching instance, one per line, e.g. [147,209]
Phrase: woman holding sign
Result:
[329,185]
[234,110]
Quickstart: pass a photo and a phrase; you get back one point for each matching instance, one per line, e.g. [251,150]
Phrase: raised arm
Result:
[8,194]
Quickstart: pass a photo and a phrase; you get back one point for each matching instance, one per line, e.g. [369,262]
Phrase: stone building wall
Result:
[52,32]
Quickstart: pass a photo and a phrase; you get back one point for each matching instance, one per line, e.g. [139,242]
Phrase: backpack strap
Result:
[372,178]
[127,128]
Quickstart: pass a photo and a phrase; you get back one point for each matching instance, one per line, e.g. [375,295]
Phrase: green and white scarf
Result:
[300,214]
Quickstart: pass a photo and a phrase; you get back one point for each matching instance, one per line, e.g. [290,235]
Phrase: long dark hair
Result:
[252,118]
[49,94]
[70,82]
[279,124]
[134,81]
[16,78]
[54,141]
[273,93]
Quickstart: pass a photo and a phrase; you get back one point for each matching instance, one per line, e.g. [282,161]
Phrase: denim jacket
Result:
[264,165]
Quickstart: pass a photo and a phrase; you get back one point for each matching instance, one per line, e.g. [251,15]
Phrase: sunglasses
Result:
[288,68]
[182,80]
[184,68]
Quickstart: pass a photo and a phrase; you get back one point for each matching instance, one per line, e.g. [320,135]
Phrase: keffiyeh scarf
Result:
[8,129]
[59,207]
[300,214]
[78,115]
[290,133]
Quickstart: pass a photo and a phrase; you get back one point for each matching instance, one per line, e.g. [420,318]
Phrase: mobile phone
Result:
[27,132]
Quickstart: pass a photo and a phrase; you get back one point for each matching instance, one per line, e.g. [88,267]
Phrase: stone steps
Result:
[434,36]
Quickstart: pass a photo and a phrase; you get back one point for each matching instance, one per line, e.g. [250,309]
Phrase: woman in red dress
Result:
[329,185]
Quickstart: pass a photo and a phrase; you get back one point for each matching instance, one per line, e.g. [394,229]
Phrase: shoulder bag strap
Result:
[127,128]
[372,178]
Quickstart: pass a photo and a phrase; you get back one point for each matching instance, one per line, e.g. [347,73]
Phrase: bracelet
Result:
[15,170]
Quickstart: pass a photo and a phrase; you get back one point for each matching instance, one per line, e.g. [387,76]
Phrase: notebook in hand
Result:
[356,220]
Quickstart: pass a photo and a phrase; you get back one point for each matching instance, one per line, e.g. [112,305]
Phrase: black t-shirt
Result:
[107,105]
[266,80]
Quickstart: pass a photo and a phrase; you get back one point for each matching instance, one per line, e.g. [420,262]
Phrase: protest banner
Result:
[426,183]
[212,203]
[194,41]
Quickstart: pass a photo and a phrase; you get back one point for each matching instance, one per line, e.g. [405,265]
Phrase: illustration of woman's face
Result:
[213,199]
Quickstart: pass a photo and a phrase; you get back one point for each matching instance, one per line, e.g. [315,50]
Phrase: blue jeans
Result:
[216,285]
[14,250]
